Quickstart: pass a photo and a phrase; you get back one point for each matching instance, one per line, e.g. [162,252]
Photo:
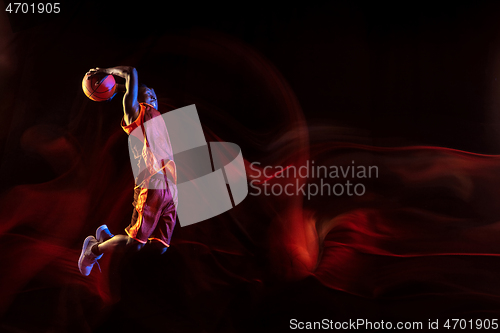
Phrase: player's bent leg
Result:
[92,250]
[155,247]
[119,243]
[134,245]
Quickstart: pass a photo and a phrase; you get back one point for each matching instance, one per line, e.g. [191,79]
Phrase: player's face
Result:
[149,96]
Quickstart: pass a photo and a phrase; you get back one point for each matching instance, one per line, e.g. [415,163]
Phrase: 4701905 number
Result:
[40,8]
[480,324]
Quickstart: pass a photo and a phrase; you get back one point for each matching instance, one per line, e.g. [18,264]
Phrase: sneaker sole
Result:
[82,255]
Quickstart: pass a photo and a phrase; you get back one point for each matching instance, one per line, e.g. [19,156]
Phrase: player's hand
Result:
[94,71]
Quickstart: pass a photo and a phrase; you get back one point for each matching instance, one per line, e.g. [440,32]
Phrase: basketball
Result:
[99,87]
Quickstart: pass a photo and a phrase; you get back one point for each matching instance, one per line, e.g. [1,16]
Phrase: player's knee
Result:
[138,246]
[134,245]
[156,247]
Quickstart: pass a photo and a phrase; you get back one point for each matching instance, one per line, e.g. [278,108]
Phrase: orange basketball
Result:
[99,87]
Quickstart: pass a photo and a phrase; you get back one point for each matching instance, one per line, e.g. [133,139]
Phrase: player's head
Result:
[147,95]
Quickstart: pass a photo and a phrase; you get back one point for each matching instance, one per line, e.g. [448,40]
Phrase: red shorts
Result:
[154,212]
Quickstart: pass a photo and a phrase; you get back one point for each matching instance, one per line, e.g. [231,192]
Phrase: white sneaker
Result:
[87,258]
[102,233]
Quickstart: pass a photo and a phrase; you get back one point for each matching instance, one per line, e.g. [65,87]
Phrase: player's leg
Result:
[162,215]
[95,247]
[146,216]
[117,243]
[155,247]
[165,227]
[149,206]
[93,250]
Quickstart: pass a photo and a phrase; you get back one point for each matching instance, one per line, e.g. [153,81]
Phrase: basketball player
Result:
[155,194]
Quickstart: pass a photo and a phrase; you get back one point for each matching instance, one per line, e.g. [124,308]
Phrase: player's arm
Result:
[131,106]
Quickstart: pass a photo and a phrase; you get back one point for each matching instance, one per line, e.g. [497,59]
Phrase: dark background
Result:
[424,73]
[406,74]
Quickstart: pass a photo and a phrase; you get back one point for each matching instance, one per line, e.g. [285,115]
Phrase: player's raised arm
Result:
[130,104]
